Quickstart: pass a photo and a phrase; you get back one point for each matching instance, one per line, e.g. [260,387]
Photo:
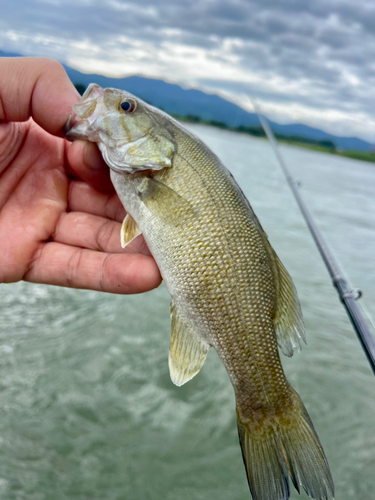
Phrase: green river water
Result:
[87,409]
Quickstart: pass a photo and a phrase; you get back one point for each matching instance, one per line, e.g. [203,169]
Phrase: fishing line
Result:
[358,294]
[368,314]
[347,295]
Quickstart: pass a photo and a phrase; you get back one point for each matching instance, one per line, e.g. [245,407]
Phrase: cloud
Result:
[311,62]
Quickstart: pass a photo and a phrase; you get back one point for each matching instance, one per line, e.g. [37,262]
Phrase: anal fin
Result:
[129,230]
[187,352]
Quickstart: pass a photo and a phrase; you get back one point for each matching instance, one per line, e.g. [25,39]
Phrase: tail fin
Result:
[288,447]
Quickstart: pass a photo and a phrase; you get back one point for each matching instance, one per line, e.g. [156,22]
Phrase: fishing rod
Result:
[347,296]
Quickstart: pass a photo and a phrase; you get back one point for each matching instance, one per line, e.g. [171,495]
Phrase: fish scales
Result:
[238,299]
[229,290]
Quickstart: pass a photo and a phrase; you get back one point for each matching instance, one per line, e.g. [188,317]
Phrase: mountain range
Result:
[209,107]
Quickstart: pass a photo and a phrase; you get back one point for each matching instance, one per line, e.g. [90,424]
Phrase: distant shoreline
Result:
[322,146]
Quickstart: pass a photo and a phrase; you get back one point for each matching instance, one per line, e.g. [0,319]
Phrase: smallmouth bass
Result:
[229,289]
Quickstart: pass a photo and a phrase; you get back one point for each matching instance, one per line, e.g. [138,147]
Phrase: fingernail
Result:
[92,157]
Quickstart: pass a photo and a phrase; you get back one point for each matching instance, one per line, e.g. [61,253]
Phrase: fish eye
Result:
[129,106]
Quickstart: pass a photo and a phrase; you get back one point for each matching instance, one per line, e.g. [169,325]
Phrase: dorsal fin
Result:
[290,329]
[187,352]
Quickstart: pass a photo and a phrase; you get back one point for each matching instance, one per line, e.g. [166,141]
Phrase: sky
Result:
[304,61]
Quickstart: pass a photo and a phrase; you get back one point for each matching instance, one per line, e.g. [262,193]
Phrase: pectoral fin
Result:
[187,352]
[129,230]
[290,329]
[163,200]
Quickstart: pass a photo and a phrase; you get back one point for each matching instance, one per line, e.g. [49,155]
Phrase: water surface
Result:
[88,411]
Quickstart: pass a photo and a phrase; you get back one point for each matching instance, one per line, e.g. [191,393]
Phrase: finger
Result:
[84,161]
[63,265]
[84,198]
[95,233]
[36,87]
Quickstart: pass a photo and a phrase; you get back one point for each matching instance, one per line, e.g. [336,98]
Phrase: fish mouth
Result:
[83,114]
[75,129]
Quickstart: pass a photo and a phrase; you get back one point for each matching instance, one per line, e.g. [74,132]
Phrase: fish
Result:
[229,290]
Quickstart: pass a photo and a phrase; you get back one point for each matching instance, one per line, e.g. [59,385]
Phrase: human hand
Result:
[60,218]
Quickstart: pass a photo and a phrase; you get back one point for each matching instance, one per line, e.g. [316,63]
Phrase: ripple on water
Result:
[88,411]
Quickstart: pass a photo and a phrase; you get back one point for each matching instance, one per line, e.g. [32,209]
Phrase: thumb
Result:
[37,88]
